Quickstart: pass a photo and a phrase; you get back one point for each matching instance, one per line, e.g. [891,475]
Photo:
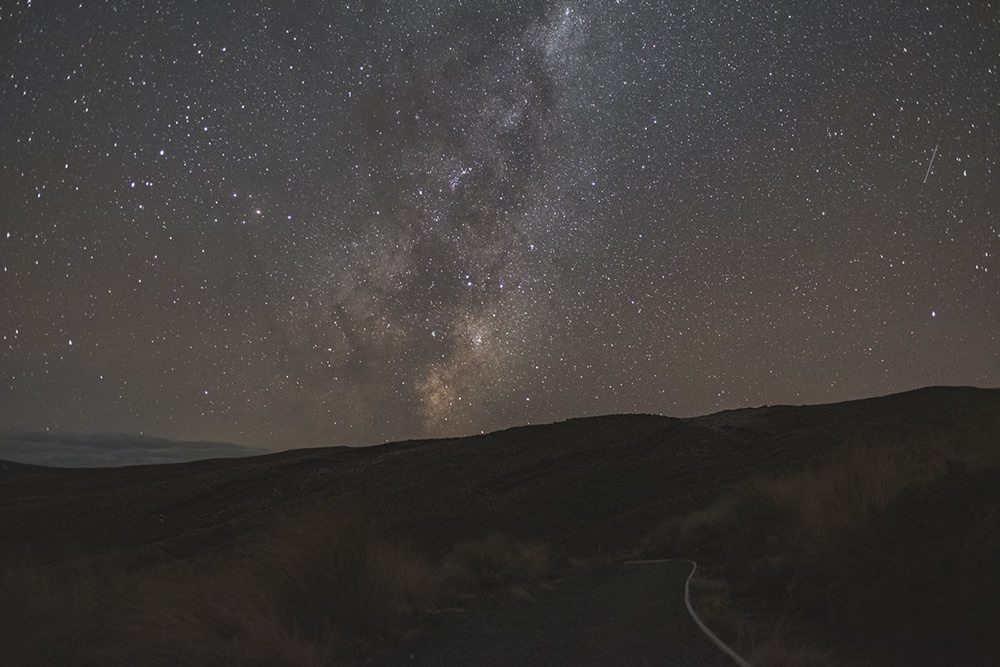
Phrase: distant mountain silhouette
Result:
[95,450]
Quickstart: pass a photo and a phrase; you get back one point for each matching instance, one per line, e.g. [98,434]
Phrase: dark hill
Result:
[594,482]
[871,524]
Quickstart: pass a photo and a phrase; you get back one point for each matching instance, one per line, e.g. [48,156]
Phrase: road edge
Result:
[687,603]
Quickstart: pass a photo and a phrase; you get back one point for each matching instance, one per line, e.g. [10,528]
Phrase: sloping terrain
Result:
[595,481]
[295,556]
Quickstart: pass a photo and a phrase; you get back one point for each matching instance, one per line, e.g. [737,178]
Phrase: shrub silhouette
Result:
[875,549]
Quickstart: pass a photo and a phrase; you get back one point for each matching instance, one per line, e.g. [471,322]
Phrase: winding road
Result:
[631,614]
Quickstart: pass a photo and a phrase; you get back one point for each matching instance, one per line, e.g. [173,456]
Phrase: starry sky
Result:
[321,223]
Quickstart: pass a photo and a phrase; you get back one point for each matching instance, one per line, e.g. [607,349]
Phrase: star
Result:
[402,225]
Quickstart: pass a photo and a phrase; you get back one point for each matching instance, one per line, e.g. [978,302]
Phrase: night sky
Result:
[319,223]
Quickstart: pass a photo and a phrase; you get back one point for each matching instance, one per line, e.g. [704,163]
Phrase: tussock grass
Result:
[49,612]
[494,561]
[313,595]
[319,592]
[874,556]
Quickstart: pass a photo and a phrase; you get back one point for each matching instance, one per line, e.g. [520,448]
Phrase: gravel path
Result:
[632,614]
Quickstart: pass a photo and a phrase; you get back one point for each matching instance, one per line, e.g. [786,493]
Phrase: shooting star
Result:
[931,164]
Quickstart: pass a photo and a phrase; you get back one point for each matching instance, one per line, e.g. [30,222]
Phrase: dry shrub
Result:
[778,650]
[811,514]
[51,612]
[314,593]
[887,552]
[353,577]
[597,560]
[496,560]
[222,620]
[926,581]
[320,590]
[712,598]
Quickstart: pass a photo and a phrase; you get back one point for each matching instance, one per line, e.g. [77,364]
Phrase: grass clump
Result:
[494,561]
[319,591]
[876,556]
[51,612]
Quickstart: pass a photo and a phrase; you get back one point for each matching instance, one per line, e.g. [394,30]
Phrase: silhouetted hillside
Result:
[583,481]
[579,489]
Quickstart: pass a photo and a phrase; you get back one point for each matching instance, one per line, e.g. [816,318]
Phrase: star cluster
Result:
[309,222]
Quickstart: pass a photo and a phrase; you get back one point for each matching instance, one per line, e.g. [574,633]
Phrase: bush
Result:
[324,587]
[51,613]
[932,573]
[878,552]
[496,560]
[321,590]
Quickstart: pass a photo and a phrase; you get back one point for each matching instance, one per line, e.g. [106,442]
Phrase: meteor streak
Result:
[931,164]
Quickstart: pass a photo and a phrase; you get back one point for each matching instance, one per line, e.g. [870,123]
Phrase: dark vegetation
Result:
[862,560]
[864,532]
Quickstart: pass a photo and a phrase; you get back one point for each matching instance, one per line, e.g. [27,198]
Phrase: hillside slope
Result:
[298,557]
[597,481]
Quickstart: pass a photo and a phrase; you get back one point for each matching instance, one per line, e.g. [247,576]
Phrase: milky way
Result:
[306,223]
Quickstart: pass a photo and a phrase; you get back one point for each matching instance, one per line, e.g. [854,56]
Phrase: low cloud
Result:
[109,451]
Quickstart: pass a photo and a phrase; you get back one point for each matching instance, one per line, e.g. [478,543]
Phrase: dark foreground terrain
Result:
[865,532]
[630,614]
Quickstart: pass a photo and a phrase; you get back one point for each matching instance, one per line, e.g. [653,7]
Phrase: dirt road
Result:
[632,614]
